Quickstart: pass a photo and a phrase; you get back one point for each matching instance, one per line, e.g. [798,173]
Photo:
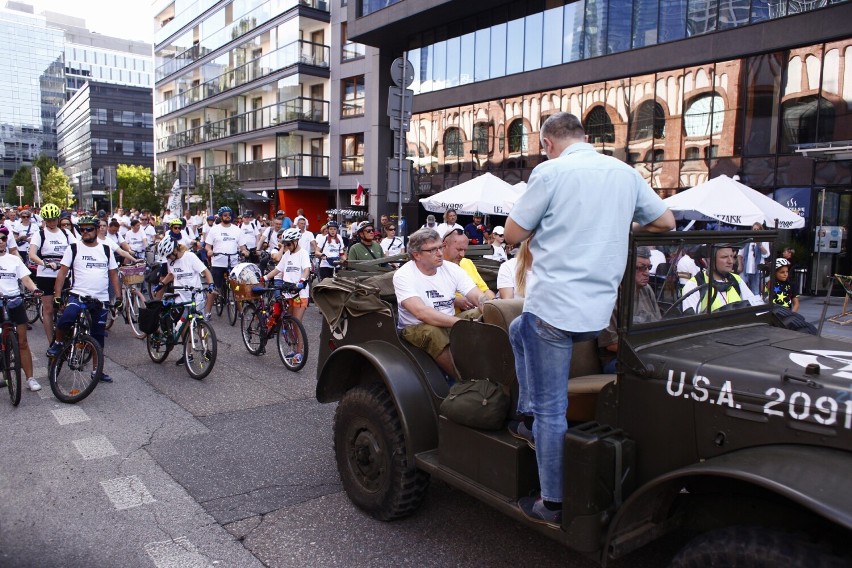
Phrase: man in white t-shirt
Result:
[307,242]
[123,221]
[12,271]
[94,271]
[450,218]
[136,239]
[426,289]
[251,231]
[224,243]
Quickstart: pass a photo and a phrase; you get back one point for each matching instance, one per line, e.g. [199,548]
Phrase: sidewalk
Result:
[811,308]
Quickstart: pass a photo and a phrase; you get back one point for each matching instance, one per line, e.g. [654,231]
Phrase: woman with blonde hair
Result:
[515,274]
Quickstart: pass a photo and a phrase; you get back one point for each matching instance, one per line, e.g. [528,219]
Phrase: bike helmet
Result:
[165,248]
[87,220]
[331,224]
[289,235]
[50,211]
[176,221]
[223,210]
[781,262]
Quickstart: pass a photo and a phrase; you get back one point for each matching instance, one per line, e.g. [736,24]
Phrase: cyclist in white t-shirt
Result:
[331,250]
[225,244]
[12,271]
[47,247]
[294,267]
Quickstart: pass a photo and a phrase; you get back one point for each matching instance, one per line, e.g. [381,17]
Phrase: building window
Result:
[352,154]
[480,139]
[350,49]
[453,143]
[518,139]
[692,153]
[353,96]
[705,115]
[599,127]
[650,121]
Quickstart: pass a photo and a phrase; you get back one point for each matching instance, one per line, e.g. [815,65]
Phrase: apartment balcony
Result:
[298,114]
[295,170]
[299,52]
[246,23]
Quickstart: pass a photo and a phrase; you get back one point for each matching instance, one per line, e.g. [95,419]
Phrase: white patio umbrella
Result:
[726,199]
[487,194]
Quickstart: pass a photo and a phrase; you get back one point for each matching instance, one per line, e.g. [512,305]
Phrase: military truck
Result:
[724,424]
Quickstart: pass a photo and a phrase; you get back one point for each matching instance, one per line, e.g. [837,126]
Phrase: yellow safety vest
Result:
[731,296]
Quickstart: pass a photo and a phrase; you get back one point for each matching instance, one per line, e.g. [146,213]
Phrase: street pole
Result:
[401,155]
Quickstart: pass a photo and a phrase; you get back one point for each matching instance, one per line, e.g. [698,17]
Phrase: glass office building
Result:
[32,64]
[682,90]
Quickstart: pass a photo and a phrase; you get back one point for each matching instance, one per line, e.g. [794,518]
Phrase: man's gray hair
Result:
[562,126]
[421,237]
[643,252]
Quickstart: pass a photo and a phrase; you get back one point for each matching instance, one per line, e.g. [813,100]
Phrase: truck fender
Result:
[344,369]
[815,478]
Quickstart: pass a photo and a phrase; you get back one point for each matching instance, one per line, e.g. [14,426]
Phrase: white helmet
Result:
[166,247]
[289,235]
[781,262]
[246,273]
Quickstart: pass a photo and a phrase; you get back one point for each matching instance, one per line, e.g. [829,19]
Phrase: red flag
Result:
[359,192]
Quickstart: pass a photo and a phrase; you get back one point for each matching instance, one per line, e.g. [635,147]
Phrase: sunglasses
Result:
[88,229]
[368,231]
[391,229]
[4,238]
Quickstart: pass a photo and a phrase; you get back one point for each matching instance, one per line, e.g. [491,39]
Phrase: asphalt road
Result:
[159,470]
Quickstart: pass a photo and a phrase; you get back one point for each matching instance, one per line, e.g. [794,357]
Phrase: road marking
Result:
[95,447]
[127,492]
[177,553]
[40,373]
[69,415]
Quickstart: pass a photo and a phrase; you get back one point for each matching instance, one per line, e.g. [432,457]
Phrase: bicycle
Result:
[130,278]
[169,327]
[32,303]
[10,352]
[263,319]
[224,299]
[78,367]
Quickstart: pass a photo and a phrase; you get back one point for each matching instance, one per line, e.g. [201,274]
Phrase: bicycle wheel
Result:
[233,308]
[134,301]
[110,318]
[12,366]
[158,346]
[33,309]
[251,326]
[199,348]
[292,343]
[75,372]
[221,299]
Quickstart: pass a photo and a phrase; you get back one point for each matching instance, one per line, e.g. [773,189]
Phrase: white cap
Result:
[498,230]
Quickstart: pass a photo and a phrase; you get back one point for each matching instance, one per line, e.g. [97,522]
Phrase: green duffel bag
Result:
[478,404]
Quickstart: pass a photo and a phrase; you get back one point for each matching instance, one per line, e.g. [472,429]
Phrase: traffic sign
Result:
[402,72]
[20,189]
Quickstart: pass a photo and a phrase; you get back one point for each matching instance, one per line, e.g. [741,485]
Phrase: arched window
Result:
[599,127]
[453,143]
[806,119]
[705,115]
[480,138]
[650,121]
[517,137]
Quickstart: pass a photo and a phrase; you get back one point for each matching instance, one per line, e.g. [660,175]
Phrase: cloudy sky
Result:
[128,19]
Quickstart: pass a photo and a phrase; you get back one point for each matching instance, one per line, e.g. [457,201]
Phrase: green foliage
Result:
[23,177]
[136,183]
[56,189]
[224,193]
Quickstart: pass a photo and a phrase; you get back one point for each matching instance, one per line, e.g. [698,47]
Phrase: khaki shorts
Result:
[432,339]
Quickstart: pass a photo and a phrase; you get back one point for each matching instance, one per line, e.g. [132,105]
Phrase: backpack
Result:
[41,246]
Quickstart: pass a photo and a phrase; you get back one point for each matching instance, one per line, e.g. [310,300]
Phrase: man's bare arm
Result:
[662,224]
[426,314]
[514,233]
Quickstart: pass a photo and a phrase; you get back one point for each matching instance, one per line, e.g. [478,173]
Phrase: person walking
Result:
[750,258]
[580,203]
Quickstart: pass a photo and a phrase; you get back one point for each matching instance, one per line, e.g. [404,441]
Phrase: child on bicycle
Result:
[294,267]
[185,270]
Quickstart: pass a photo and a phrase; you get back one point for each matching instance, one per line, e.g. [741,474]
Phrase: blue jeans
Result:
[753,281]
[542,360]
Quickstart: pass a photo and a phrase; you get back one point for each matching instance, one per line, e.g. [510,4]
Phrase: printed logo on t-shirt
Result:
[8,276]
[437,302]
[92,262]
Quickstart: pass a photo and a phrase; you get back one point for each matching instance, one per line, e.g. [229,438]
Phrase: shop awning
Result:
[251,196]
[826,151]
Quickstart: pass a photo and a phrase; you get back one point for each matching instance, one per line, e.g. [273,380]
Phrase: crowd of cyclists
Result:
[69,259]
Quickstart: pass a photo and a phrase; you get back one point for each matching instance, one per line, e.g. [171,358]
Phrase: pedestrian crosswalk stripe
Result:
[127,492]
[177,553]
[95,447]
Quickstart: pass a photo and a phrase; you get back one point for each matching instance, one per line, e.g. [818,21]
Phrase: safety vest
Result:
[732,295]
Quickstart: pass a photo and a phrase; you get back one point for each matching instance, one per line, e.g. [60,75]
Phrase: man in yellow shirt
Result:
[455,246]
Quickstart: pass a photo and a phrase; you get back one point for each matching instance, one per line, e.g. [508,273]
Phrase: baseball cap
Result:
[279,213]
[498,230]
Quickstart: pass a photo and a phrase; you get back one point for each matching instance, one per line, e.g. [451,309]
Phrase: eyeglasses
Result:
[369,231]
[143,218]
[88,229]
[4,238]
[391,228]
[643,268]
[433,249]
[498,235]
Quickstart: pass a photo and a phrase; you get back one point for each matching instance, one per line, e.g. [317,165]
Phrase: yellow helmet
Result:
[50,211]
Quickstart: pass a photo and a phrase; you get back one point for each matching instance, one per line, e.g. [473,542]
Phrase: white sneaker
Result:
[33,385]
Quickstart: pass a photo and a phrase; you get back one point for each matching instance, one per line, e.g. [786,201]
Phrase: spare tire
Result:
[793,321]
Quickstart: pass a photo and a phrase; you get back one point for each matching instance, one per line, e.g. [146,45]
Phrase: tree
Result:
[22,176]
[224,192]
[136,188]
[56,189]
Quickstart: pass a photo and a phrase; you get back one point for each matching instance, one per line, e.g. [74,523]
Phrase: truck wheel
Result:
[371,455]
[753,547]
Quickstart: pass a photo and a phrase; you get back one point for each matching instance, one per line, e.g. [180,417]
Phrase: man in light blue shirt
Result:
[579,204]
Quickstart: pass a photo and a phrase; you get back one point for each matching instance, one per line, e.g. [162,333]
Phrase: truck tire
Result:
[793,321]
[370,448]
[752,547]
